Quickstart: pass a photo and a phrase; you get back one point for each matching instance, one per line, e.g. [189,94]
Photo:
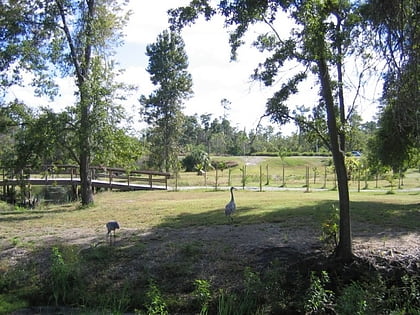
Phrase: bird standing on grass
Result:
[231,206]
[112,226]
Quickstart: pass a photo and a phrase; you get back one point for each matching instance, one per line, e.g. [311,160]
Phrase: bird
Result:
[112,226]
[231,206]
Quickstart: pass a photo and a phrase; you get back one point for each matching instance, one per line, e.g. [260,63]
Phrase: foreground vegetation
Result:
[58,255]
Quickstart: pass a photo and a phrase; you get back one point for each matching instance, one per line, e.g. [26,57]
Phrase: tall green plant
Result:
[65,282]
[318,298]
[156,305]
[162,109]
[202,293]
[329,229]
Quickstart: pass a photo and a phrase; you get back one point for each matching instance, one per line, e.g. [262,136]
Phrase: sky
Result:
[214,76]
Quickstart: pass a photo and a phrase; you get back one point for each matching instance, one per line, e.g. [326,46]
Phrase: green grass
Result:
[142,210]
[294,174]
[116,278]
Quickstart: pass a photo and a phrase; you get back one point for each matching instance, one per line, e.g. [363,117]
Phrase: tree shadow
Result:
[193,246]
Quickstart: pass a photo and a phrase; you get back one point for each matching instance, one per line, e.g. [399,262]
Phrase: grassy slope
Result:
[294,174]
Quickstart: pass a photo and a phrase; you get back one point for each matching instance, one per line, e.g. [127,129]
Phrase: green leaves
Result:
[162,109]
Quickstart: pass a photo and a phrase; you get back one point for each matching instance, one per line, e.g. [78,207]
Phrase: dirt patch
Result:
[254,160]
[220,254]
[217,248]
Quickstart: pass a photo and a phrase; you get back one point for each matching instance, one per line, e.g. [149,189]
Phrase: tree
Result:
[319,44]
[396,31]
[162,109]
[71,38]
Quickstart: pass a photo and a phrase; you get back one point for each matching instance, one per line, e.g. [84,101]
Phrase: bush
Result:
[197,160]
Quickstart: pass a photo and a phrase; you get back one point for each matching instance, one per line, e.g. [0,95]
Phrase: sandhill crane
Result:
[112,226]
[231,206]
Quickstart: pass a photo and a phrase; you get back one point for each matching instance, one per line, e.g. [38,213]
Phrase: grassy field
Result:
[141,210]
[176,247]
[291,172]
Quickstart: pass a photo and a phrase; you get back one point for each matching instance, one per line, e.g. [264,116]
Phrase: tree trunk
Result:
[85,145]
[344,249]
[85,180]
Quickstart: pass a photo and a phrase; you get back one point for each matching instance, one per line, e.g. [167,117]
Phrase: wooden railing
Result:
[106,177]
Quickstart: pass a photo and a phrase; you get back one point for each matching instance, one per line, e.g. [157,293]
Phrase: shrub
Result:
[197,160]
[202,293]
[318,298]
[156,304]
[329,229]
[65,281]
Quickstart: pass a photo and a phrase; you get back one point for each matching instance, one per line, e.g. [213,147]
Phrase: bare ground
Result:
[219,254]
[222,249]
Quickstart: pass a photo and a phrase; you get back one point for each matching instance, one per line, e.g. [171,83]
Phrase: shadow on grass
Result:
[395,215]
[115,278]
[30,214]
[388,215]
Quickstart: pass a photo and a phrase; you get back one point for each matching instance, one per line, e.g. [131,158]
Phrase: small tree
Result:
[162,109]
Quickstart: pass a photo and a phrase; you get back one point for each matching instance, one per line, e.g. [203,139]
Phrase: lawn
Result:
[292,172]
[173,243]
[152,209]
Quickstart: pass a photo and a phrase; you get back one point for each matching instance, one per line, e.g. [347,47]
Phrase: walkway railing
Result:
[102,177]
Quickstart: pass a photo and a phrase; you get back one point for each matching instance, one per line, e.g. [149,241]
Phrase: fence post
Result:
[205,177]
[244,177]
[284,183]
[268,178]
[307,179]
[261,178]
[325,177]
[110,179]
[217,178]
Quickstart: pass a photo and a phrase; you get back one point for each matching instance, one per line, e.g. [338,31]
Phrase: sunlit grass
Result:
[270,170]
[151,209]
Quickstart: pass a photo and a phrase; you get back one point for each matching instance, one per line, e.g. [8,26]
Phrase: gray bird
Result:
[231,206]
[112,226]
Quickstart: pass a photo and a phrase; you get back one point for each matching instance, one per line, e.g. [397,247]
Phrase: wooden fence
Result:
[69,175]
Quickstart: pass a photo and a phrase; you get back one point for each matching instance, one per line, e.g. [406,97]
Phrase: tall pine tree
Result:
[162,109]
